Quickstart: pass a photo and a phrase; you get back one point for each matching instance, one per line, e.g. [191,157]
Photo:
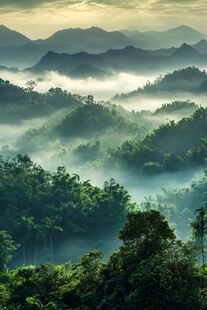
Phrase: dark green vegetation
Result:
[17,103]
[175,107]
[85,132]
[152,269]
[171,147]
[189,80]
[179,205]
[54,216]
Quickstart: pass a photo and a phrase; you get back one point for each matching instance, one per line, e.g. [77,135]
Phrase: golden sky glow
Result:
[41,18]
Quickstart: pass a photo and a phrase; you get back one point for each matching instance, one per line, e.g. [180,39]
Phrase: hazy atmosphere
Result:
[103,155]
[30,17]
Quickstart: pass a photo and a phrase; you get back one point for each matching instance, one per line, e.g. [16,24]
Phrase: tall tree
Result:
[7,247]
[26,224]
[200,229]
[52,227]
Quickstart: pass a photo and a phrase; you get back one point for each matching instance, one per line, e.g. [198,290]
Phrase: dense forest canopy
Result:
[47,213]
[189,79]
[151,268]
[171,147]
[58,229]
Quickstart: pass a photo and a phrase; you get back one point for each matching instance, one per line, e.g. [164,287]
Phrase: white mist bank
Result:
[101,89]
[104,89]
[11,132]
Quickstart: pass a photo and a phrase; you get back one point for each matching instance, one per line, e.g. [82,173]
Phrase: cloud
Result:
[122,82]
[31,16]
[25,4]
[133,4]
[130,4]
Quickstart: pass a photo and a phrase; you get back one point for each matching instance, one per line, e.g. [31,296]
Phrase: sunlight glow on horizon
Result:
[43,20]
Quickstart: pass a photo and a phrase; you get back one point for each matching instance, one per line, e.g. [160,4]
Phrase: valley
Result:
[103,150]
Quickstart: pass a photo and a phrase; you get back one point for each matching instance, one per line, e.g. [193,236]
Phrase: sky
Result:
[41,18]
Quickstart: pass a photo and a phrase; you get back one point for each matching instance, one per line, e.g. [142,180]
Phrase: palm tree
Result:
[200,228]
[37,233]
[51,227]
[26,225]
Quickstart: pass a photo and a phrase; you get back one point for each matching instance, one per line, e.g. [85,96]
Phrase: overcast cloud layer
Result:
[40,18]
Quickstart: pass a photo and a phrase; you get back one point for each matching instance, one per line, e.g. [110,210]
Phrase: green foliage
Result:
[178,206]
[199,227]
[165,283]
[171,147]
[87,120]
[43,210]
[7,248]
[88,151]
[161,275]
[164,277]
[34,301]
[176,107]
[189,79]
[4,296]
[145,234]
[25,103]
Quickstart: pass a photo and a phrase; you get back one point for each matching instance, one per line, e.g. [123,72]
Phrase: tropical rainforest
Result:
[103,202]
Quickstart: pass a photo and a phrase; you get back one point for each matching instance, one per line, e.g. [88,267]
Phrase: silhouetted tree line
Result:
[151,270]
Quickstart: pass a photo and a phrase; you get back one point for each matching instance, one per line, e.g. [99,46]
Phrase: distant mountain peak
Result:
[10,37]
[184,27]
[186,46]
[186,50]
[96,28]
[201,46]
[130,48]
[202,42]
[3,27]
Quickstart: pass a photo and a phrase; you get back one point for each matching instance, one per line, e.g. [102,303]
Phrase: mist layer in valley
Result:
[105,119]
[88,155]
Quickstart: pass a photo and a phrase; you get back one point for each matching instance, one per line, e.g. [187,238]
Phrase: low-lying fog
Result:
[101,89]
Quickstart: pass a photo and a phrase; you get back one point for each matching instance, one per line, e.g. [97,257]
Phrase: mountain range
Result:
[10,37]
[19,51]
[165,39]
[128,59]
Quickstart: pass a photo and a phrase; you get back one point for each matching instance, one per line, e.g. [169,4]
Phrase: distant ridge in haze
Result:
[93,40]
[165,39]
[18,51]
[10,37]
[186,51]
[201,46]
[128,59]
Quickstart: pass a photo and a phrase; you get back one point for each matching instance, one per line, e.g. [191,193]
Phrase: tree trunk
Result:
[51,248]
[24,249]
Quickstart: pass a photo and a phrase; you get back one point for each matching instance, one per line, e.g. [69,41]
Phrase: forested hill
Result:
[18,103]
[171,147]
[151,269]
[54,216]
[128,59]
[189,79]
